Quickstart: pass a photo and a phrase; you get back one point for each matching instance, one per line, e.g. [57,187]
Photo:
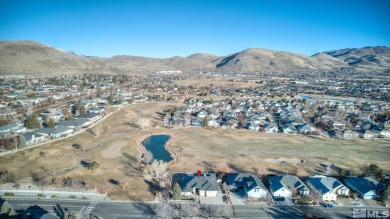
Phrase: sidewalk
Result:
[53,194]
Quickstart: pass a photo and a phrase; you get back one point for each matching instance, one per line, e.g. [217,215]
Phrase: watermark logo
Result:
[369,213]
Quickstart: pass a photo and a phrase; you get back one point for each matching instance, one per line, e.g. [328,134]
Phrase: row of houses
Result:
[325,188]
[62,129]
[255,115]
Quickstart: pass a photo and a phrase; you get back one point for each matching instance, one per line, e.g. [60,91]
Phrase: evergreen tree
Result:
[110,99]
[385,196]
[205,122]
[32,122]
[5,208]
[176,192]
[51,123]
[22,142]
[12,212]
[82,109]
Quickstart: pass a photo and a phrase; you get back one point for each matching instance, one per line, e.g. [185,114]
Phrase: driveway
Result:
[207,200]
[283,201]
[237,198]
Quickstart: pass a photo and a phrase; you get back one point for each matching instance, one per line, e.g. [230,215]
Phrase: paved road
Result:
[39,207]
[122,210]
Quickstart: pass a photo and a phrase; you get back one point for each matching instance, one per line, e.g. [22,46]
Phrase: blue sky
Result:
[167,28]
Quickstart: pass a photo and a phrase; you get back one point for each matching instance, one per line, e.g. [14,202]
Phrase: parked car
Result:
[327,205]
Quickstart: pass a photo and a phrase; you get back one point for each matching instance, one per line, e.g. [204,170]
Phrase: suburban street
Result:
[119,210]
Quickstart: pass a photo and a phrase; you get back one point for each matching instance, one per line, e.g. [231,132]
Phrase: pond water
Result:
[156,145]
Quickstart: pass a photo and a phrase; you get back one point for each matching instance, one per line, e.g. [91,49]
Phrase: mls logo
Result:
[359,213]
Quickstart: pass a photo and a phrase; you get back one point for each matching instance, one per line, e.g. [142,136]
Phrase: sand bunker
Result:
[114,150]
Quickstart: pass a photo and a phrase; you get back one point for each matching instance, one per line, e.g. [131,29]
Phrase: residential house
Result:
[349,134]
[289,129]
[75,123]
[385,133]
[91,116]
[339,125]
[305,129]
[298,121]
[12,128]
[366,187]
[328,187]
[369,134]
[202,114]
[56,132]
[6,113]
[33,138]
[213,123]
[254,127]
[196,122]
[271,129]
[202,184]
[286,186]
[97,110]
[250,183]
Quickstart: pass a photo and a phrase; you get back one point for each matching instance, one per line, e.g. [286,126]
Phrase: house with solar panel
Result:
[328,187]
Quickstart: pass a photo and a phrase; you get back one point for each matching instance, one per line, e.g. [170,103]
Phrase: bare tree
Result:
[167,118]
[223,211]
[301,172]
[148,157]
[158,172]
[38,179]
[43,155]
[167,210]
[29,112]
[317,194]
[96,130]
[7,177]
[122,184]
[260,170]
[192,210]
[143,122]
[93,166]
[187,120]
[76,183]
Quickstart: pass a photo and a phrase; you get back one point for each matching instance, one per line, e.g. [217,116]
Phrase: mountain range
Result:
[29,58]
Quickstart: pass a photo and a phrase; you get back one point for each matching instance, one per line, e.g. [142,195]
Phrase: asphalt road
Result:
[39,207]
[122,210]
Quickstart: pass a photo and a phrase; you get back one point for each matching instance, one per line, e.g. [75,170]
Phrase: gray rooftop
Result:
[287,182]
[53,131]
[29,135]
[206,182]
[363,184]
[324,184]
[73,122]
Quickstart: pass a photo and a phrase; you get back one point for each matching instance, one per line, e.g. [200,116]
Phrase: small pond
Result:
[156,145]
